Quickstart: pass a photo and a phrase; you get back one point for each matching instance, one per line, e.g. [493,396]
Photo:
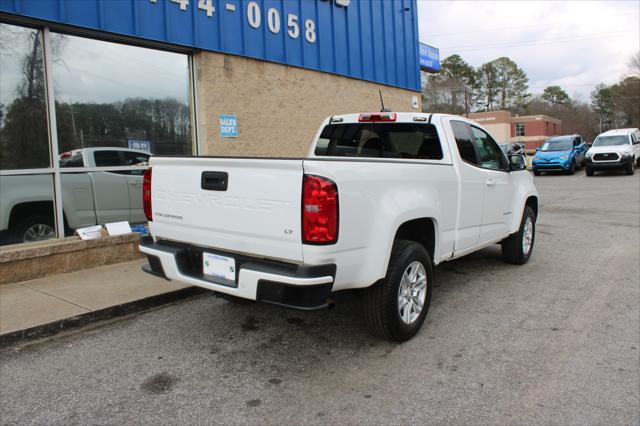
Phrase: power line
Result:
[535,42]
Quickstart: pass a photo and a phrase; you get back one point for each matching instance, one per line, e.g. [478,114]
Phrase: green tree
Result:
[502,85]
[487,86]
[555,96]
[602,105]
[626,102]
[451,90]
[634,64]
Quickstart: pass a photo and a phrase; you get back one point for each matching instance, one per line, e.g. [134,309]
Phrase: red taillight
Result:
[146,194]
[385,116]
[319,210]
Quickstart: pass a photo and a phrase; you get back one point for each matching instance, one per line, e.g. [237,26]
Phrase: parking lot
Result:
[554,341]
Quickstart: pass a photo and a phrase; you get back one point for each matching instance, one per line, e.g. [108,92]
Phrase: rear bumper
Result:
[298,286]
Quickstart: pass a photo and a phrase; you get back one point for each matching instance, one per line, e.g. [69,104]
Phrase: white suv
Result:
[614,149]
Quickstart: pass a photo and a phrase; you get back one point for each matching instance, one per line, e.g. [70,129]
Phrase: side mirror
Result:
[517,162]
[537,148]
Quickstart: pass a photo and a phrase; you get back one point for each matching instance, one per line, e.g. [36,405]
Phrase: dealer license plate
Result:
[218,266]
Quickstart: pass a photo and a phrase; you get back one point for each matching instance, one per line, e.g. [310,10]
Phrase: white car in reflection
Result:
[89,196]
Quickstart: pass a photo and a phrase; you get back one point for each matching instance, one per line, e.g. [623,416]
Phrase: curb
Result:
[78,321]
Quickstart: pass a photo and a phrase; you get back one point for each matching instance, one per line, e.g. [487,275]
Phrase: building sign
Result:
[429,58]
[228,126]
[369,40]
[139,145]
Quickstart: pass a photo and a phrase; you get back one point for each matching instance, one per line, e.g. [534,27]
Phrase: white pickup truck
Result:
[380,200]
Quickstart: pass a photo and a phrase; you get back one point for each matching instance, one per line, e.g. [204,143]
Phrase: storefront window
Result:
[26,199]
[119,96]
[24,140]
[115,105]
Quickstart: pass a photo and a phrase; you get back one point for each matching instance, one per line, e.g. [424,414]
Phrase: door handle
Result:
[491,182]
[214,181]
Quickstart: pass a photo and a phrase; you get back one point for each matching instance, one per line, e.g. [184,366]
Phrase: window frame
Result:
[500,152]
[475,148]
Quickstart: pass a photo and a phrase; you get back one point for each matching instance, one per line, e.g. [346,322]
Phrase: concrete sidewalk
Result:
[29,304]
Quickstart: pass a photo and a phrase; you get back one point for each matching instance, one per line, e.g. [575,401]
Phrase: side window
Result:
[322,145]
[136,159]
[491,156]
[464,141]
[108,159]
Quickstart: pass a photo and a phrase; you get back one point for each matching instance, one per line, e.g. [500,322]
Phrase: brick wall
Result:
[279,108]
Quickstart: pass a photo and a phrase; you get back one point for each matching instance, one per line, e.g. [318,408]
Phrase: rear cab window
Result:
[380,140]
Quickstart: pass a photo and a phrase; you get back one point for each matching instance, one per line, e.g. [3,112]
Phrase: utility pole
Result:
[466,102]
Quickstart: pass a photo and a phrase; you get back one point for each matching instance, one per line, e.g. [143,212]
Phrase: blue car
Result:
[560,153]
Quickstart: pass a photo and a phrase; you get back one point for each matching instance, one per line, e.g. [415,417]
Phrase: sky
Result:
[572,44]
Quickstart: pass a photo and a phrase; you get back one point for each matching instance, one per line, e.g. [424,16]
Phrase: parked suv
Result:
[560,153]
[614,149]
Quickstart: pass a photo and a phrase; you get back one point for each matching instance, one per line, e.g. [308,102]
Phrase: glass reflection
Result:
[24,140]
[115,105]
[26,211]
[113,95]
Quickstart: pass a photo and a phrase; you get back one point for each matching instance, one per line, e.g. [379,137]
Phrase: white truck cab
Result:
[380,199]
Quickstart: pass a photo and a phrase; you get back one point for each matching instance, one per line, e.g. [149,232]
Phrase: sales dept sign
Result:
[228,126]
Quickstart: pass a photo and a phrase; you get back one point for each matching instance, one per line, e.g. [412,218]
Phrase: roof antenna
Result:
[382,102]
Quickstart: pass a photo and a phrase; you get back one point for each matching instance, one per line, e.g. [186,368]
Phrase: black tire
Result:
[630,168]
[18,232]
[589,171]
[381,300]
[572,170]
[512,247]
[536,172]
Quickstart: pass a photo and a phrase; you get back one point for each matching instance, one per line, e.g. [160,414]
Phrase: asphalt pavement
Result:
[555,341]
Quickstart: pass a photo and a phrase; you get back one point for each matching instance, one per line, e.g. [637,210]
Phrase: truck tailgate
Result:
[240,205]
